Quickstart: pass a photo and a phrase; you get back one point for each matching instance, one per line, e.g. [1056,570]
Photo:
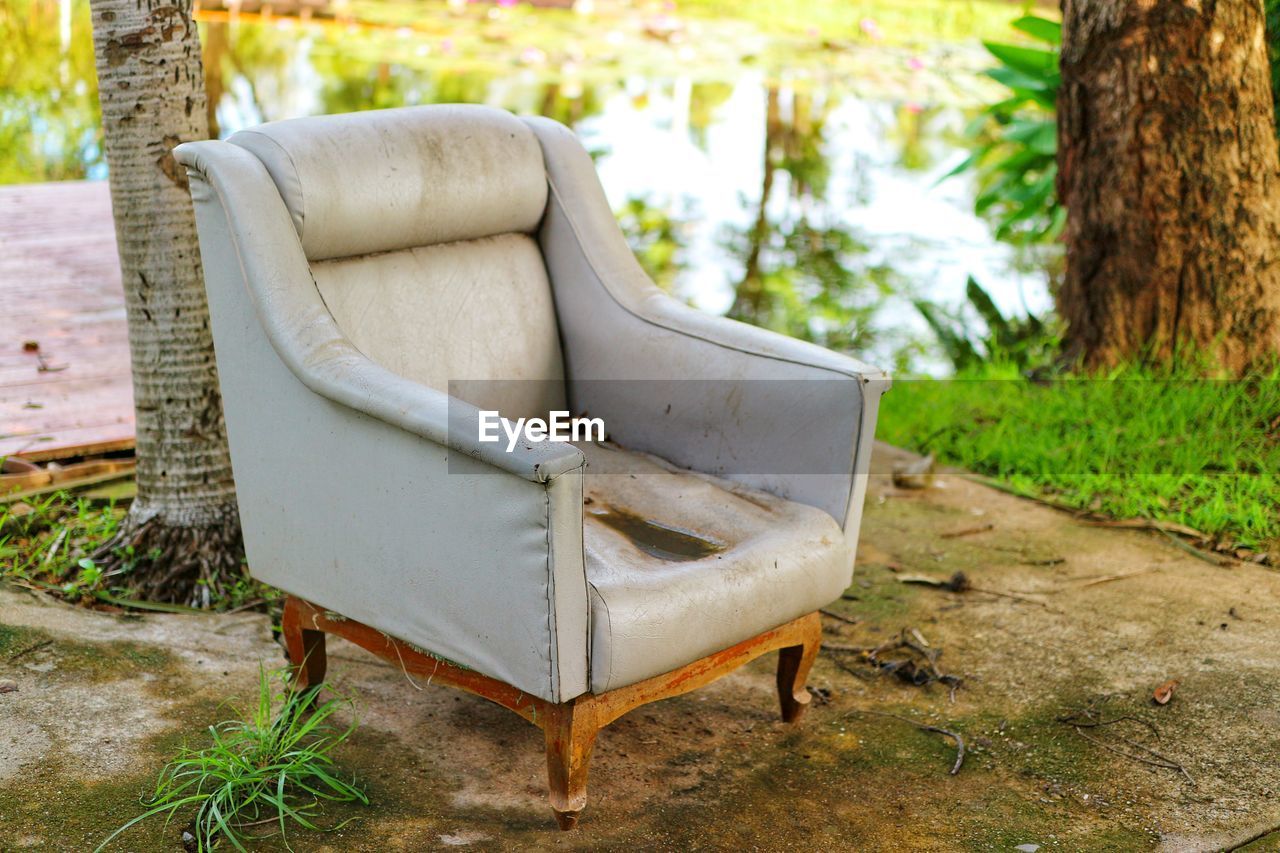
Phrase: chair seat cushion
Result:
[681,564]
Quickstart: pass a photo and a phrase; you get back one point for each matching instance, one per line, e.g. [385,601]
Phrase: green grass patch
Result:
[53,542]
[262,772]
[45,537]
[1137,443]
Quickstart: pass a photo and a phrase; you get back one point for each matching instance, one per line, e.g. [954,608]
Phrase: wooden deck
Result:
[60,288]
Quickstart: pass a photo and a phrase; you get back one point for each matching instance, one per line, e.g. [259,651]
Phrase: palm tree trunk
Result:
[182,534]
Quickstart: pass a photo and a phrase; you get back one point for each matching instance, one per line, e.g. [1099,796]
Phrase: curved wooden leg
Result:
[794,663]
[305,647]
[571,733]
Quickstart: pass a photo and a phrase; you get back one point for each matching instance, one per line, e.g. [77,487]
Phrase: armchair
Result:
[358,264]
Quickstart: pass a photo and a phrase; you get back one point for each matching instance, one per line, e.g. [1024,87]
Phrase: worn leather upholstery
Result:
[429,314]
[378,181]
[766,561]
[804,442]
[356,264]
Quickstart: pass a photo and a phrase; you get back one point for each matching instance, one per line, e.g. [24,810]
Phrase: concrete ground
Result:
[1091,619]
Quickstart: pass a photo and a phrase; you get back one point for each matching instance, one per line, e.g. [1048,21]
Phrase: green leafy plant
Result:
[53,542]
[261,772]
[45,538]
[1015,139]
[1027,343]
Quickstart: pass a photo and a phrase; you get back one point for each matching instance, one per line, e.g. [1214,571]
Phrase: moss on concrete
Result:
[22,647]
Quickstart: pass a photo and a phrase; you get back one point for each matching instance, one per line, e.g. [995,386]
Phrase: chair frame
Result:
[570,727]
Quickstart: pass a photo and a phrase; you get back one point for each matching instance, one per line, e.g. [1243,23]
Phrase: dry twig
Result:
[959,582]
[967,531]
[1212,559]
[1089,718]
[29,649]
[918,668]
[838,617]
[1157,760]
[1110,578]
[960,747]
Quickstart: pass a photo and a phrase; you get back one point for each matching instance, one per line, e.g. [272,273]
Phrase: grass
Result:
[1137,443]
[270,768]
[49,542]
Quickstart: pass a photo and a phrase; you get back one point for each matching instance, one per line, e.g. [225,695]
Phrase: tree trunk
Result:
[1168,166]
[183,527]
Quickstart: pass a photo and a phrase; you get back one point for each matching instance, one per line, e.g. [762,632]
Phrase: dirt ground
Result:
[102,703]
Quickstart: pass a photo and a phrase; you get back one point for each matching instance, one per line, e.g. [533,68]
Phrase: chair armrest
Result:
[773,412]
[305,336]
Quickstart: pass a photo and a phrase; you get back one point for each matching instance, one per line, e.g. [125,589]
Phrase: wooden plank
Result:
[60,287]
[59,444]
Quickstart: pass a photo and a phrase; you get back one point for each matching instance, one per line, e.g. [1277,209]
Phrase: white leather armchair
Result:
[355,266]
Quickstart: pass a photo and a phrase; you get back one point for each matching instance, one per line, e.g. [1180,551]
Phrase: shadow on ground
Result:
[1099,618]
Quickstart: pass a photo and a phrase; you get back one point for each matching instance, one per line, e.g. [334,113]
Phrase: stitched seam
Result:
[586,254]
[551,598]
[302,195]
[609,627]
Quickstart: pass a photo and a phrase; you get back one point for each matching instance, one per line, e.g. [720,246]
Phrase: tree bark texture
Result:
[1168,165]
[183,526]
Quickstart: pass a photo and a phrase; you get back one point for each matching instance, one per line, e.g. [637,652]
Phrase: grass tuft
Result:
[262,772]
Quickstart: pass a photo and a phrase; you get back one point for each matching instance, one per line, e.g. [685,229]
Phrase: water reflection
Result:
[788,181]
[49,125]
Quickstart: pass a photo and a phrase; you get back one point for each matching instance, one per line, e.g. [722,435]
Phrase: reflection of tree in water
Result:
[49,118]
[704,100]
[350,85]
[249,62]
[214,42]
[914,133]
[261,63]
[804,272]
[656,236]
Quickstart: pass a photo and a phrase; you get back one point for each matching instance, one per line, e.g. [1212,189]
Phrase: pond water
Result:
[784,165]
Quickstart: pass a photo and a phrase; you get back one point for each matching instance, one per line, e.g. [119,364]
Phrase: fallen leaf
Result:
[916,474]
[8,687]
[1164,692]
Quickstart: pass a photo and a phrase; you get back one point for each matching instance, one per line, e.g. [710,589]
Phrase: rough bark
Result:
[1168,166]
[182,534]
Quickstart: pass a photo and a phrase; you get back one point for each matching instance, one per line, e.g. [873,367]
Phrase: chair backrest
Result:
[417,225]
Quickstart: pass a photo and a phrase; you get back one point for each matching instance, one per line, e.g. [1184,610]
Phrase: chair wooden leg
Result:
[570,730]
[570,727]
[305,647]
[794,663]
